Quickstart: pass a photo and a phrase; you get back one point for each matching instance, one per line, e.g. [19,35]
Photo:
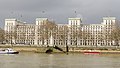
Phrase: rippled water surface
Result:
[38,60]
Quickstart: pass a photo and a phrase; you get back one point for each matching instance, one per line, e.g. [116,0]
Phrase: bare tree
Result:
[100,38]
[23,37]
[115,34]
[45,30]
[9,36]
[2,35]
[63,34]
[85,36]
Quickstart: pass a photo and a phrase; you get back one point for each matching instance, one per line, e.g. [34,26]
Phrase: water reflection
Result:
[37,60]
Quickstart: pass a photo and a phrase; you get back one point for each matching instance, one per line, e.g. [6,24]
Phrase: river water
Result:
[41,60]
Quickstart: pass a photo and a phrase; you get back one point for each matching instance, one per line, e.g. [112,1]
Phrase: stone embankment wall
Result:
[38,49]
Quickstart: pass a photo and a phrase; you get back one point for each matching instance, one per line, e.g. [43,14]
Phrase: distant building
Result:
[25,34]
[75,33]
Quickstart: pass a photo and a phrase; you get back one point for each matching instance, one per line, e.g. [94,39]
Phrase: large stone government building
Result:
[47,33]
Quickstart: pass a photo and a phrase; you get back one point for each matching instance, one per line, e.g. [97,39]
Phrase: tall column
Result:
[51,41]
[68,41]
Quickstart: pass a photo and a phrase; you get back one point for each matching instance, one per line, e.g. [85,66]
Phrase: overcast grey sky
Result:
[91,11]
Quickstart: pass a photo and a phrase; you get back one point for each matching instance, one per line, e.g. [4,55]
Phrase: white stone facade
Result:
[75,33]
